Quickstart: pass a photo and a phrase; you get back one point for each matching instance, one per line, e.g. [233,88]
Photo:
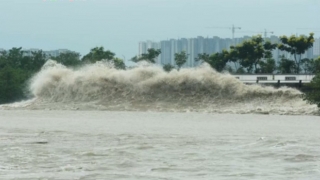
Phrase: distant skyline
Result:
[195,46]
[119,25]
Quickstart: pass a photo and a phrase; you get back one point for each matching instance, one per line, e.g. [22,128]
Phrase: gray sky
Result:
[119,25]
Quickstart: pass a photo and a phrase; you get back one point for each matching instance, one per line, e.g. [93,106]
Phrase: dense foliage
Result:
[217,61]
[17,67]
[313,95]
[180,58]
[15,70]
[296,46]
[150,56]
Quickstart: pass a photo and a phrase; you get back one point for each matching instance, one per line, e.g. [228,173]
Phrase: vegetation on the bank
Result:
[313,95]
[251,56]
[16,68]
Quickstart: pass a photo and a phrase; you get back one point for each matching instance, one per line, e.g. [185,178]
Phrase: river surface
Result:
[42,144]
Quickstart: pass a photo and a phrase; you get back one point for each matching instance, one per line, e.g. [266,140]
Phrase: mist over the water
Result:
[148,88]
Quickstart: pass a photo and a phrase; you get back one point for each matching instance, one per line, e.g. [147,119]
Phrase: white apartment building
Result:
[316,47]
[198,45]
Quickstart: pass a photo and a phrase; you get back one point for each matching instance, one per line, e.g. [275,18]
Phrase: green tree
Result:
[180,58]
[286,66]
[203,57]
[313,96]
[34,62]
[217,61]
[12,83]
[310,66]
[38,58]
[267,66]
[3,59]
[16,67]
[251,52]
[241,70]
[306,65]
[14,57]
[150,56]
[316,65]
[135,59]
[98,54]
[296,46]
[68,58]
[168,67]
[118,63]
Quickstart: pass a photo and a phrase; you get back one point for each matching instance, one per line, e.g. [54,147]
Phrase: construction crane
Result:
[233,29]
[265,33]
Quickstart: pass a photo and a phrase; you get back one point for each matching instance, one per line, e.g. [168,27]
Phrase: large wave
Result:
[148,88]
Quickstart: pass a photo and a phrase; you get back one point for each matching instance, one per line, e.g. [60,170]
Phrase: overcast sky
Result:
[119,25]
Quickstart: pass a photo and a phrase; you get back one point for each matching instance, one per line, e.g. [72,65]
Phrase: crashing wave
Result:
[149,88]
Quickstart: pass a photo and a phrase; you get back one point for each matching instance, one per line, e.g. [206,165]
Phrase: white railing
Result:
[275,78]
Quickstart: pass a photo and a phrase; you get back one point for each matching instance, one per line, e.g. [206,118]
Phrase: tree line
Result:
[251,56]
[16,68]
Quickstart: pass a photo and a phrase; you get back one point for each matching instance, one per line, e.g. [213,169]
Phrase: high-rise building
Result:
[316,47]
[142,47]
[199,45]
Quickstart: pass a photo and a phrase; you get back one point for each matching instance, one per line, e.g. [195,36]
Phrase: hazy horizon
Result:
[119,25]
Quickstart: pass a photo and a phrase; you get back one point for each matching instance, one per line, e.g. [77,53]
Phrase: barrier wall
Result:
[275,78]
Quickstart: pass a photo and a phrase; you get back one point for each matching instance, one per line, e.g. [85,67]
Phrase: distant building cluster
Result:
[52,53]
[209,45]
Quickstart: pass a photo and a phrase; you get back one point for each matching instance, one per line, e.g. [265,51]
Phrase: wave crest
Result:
[148,87]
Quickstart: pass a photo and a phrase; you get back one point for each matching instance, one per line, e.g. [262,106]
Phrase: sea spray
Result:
[149,88]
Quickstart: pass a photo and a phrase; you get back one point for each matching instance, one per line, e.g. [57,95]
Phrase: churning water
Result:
[99,145]
[149,88]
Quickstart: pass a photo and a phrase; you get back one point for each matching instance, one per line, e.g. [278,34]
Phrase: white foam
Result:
[149,88]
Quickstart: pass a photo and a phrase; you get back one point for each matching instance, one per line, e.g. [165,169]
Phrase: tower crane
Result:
[265,32]
[233,29]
